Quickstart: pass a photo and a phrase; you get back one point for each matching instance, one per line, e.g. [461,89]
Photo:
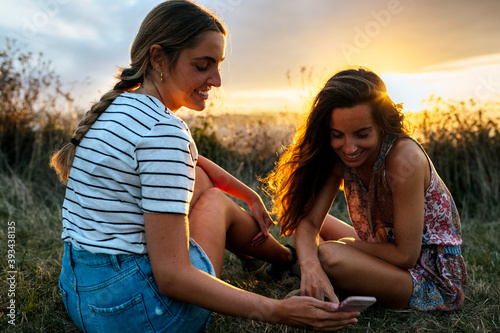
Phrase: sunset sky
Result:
[450,48]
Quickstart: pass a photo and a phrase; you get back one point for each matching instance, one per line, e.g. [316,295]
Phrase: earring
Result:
[161,74]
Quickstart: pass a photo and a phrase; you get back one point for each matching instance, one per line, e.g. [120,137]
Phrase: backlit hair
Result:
[305,166]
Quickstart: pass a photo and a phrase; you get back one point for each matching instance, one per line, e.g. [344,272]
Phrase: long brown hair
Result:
[175,25]
[305,166]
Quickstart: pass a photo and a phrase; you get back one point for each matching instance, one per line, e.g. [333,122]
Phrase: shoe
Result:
[279,272]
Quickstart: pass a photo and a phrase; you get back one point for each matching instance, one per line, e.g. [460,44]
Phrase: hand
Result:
[261,216]
[308,312]
[315,283]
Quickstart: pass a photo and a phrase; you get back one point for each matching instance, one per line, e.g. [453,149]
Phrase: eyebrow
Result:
[359,130]
[208,58]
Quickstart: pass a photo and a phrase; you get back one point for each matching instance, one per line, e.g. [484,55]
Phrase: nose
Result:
[349,146]
[215,80]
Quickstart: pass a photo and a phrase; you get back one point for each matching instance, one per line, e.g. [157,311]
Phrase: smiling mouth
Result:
[351,157]
[202,93]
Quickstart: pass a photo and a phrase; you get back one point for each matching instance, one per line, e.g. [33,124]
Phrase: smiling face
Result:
[354,136]
[195,73]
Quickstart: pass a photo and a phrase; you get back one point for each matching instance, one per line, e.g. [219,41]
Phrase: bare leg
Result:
[216,222]
[363,274]
[335,229]
[201,184]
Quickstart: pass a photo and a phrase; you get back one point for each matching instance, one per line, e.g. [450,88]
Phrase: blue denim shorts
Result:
[117,293]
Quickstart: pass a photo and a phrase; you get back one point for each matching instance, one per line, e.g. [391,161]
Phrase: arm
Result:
[408,175]
[167,243]
[226,182]
[314,281]
[232,186]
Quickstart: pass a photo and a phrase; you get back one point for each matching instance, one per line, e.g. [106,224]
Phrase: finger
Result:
[255,240]
[332,319]
[305,292]
[259,234]
[262,239]
[258,239]
[337,325]
[320,295]
[264,226]
[258,243]
[334,307]
[331,296]
[317,293]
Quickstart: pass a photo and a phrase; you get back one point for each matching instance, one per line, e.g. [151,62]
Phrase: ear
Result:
[157,58]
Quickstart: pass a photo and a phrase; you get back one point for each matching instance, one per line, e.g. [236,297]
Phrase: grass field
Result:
[466,156]
[39,249]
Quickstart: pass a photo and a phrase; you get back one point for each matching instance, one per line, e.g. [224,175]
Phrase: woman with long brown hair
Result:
[404,243]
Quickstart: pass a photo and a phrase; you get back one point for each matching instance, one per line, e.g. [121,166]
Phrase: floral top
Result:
[371,211]
[440,274]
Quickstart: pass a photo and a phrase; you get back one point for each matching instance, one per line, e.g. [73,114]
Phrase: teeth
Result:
[203,92]
[352,157]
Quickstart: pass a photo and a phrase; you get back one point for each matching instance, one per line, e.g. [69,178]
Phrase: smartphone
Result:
[356,303]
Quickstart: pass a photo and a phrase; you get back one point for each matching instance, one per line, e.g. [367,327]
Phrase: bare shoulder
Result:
[407,161]
[406,152]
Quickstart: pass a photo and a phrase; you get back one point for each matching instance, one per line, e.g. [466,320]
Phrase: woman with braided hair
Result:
[145,222]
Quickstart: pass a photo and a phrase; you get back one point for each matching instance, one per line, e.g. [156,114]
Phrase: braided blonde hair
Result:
[175,25]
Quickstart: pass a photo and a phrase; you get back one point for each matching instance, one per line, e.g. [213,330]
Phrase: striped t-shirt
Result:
[137,157]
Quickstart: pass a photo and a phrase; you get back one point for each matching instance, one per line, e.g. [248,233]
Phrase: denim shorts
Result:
[117,293]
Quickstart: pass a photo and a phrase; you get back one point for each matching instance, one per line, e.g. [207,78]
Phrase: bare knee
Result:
[211,198]
[332,254]
[213,203]
[211,209]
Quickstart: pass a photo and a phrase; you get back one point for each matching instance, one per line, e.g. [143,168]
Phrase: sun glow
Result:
[409,89]
[264,100]
[475,78]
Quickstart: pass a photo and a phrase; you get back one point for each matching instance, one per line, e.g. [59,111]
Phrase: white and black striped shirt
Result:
[137,157]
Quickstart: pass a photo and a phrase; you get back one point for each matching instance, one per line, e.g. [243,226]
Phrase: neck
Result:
[365,172]
[150,88]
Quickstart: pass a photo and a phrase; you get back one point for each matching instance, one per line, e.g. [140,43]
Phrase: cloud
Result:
[477,78]
[488,60]
[270,38]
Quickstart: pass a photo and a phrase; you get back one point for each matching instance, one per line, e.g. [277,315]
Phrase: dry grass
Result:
[33,200]
[461,138]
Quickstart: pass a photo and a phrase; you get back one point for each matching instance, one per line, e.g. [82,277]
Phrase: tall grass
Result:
[35,205]
[463,141]
[34,111]
[461,138]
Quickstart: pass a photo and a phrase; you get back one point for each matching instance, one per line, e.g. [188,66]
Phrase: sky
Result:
[279,52]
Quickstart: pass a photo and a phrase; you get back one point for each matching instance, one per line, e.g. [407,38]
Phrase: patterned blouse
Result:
[436,285]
